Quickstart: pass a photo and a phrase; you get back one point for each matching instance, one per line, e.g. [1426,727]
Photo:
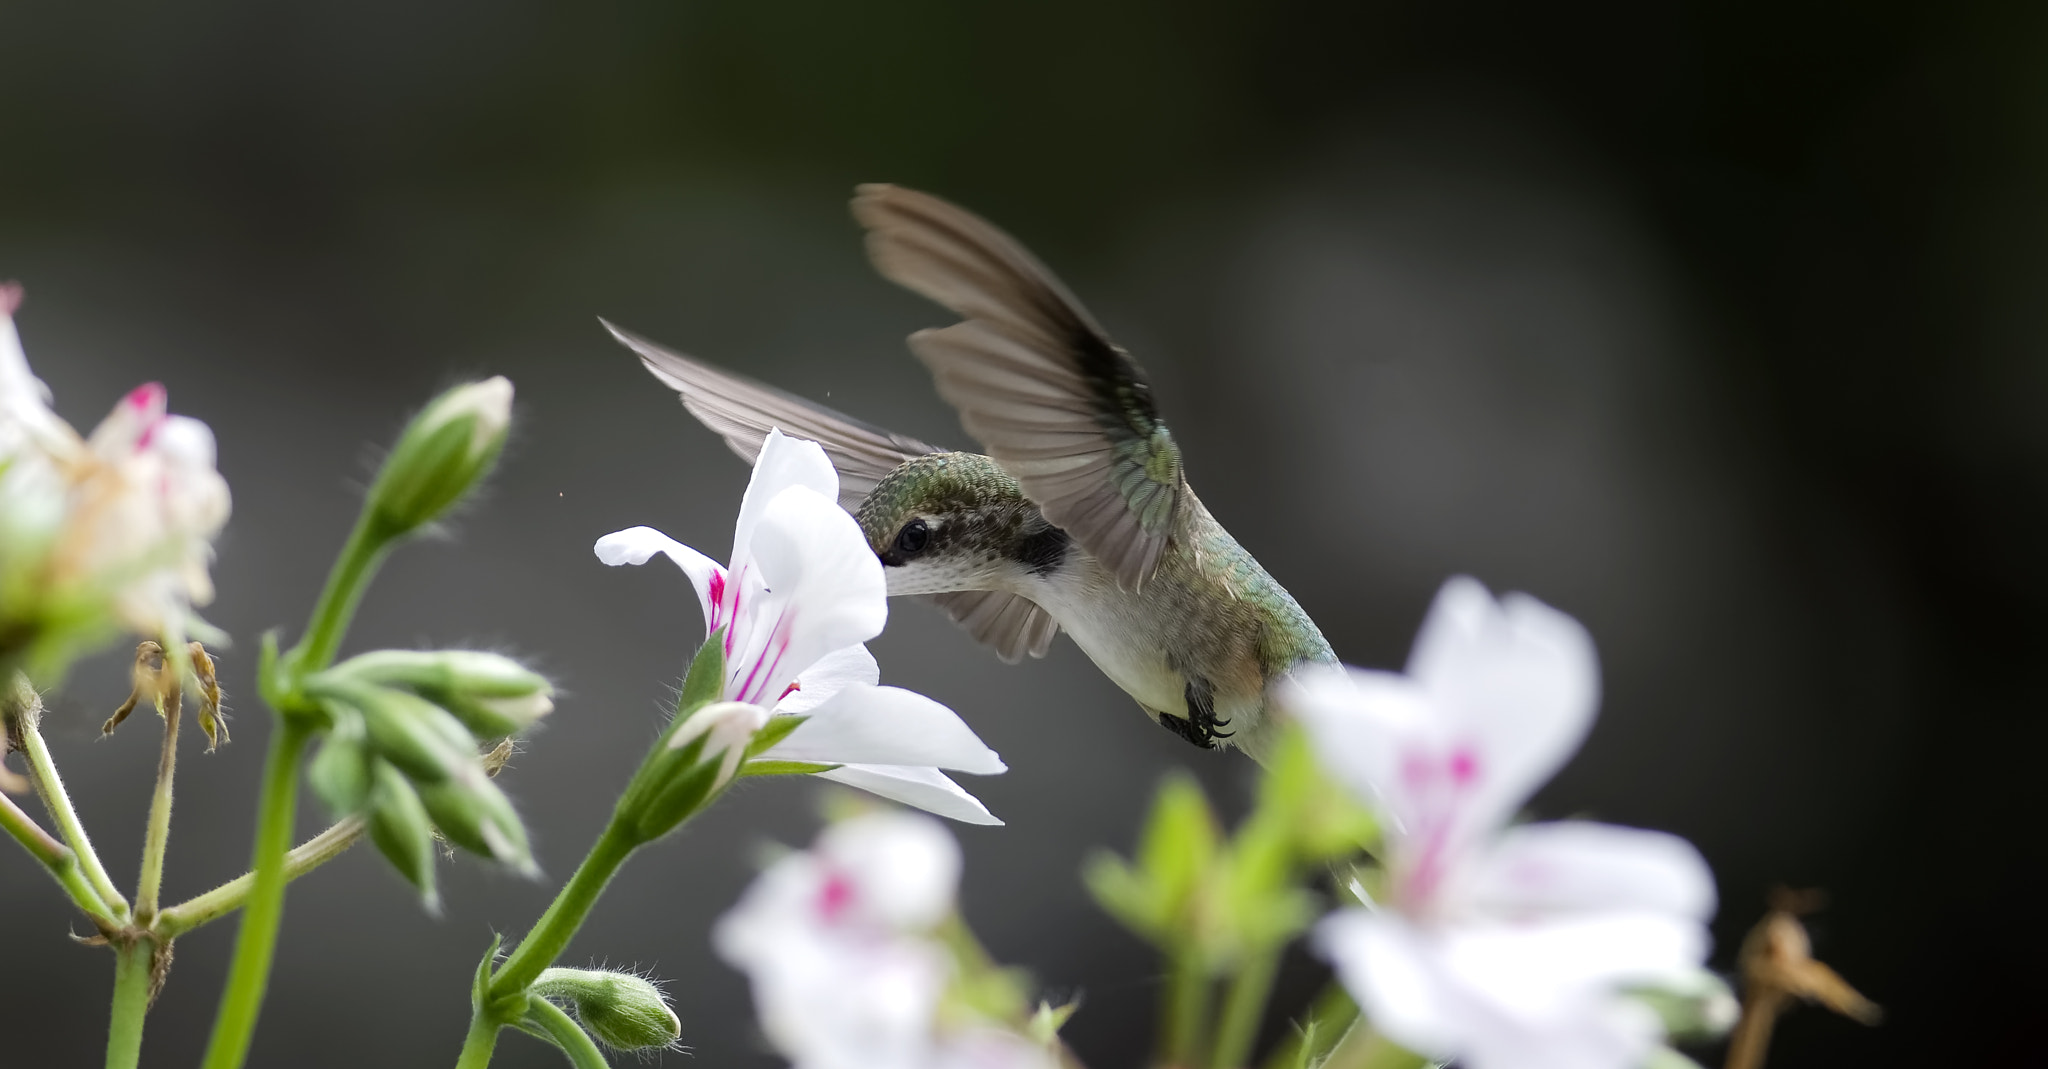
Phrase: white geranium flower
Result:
[837,942]
[126,516]
[803,592]
[1502,948]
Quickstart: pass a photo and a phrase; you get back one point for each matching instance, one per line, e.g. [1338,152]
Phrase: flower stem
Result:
[50,786]
[367,544]
[131,1002]
[1328,1021]
[481,1041]
[235,1023]
[58,858]
[1244,1008]
[228,897]
[1185,1011]
[567,1034]
[158,836]
[551,934]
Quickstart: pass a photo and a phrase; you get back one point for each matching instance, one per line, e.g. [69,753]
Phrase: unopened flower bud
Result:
[493,695]
[421,738]
[446,449]
[620,1010]
[403,832]
[700,756]
[475,815]
[340,773]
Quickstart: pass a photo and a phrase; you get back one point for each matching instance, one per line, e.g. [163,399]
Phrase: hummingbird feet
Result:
[1200,726]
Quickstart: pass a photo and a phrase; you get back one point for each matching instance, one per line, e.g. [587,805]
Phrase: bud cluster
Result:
[402,748]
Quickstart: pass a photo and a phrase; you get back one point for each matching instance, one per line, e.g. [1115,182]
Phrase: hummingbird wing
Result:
[742,411]
[1035,378]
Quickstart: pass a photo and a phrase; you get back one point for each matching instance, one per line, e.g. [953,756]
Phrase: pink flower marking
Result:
[835,897]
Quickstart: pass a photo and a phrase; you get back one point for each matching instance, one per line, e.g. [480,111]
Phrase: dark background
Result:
[1716,325]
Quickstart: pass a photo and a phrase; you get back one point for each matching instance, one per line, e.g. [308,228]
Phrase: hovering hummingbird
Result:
[1078,518]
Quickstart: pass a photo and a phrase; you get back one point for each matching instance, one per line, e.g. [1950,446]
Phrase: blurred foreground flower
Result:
[110,530]
[847,971]
[803,592]
[1498,946]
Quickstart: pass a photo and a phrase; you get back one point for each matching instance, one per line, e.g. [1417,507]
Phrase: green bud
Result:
[475,815]
[421,738]
[688,766]
[620,1010]
[493,695]
[340,772]
[1694,1007]
[450,445]
[402,831]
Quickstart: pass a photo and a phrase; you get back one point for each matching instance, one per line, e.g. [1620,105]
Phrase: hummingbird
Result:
[1077,518]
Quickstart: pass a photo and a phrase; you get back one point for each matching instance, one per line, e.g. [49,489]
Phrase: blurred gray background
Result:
[1716,325]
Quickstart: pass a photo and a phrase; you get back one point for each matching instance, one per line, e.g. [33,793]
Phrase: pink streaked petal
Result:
[1580,867]
[904,867]
[853,666]
[128,427]
[635,545]
[814,561]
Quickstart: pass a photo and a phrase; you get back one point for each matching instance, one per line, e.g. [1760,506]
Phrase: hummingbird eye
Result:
[911,540]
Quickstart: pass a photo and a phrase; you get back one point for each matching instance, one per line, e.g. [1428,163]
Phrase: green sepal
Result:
[673,783]
[1322,819]
[619,1009]
[705,681]
[784,768]
[340,771]
[424,740]
[474,814]
[403,832]
[1157,894]
[1046,1021]
[775,730]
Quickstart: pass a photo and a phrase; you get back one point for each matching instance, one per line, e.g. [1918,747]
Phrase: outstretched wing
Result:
[1035,378]
[1013,625]
[742,412]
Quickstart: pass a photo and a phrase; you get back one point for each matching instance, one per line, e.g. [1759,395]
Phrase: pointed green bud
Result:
[403,832]
[689,767]
[421,738]
[493,695]
[475,815]
[620,1010]
[446,449]
[340,772]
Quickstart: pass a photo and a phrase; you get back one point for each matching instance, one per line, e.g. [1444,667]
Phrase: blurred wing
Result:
[1035,378]
[1013,625]
[742,412]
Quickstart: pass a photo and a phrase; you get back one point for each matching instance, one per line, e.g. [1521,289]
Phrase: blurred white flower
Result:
[838,944]
[803,592]
[1504,948]
[121,522]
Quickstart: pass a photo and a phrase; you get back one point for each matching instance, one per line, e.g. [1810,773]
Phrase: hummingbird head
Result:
[957,521]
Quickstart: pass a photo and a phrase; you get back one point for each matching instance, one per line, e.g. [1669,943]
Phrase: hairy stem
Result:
[366,547]
[567,1034]
[551,934]
[1244,1008]
[58,858]
[235,1022]
[228,897]
[50,786]
[131,1002]
[158,836]
[1185,1011]
[481,1041]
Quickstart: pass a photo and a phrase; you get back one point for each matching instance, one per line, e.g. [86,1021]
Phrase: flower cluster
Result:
[1498,946]
[110,529]
[847,972]
[801,595]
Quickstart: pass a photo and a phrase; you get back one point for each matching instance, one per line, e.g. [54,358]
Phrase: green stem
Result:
[228,897]
[1244,1008]
[567,1034]
[235,1023]
[1186,1010]
[1328,1020]
[131,1002]
[551,934]
[366,547]
[51,787]
[158,836]
[58,858]
[481,1041]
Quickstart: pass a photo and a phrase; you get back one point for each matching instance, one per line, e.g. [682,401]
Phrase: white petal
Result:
[853,666]
[1516,680]
[783,462]
[635,545]
[926,788]
[133,416]
[1537,971]
[1580,866]
[1387,965]
[1361,723]
[887,726]
[186,441]
[903,868]
[823,591]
